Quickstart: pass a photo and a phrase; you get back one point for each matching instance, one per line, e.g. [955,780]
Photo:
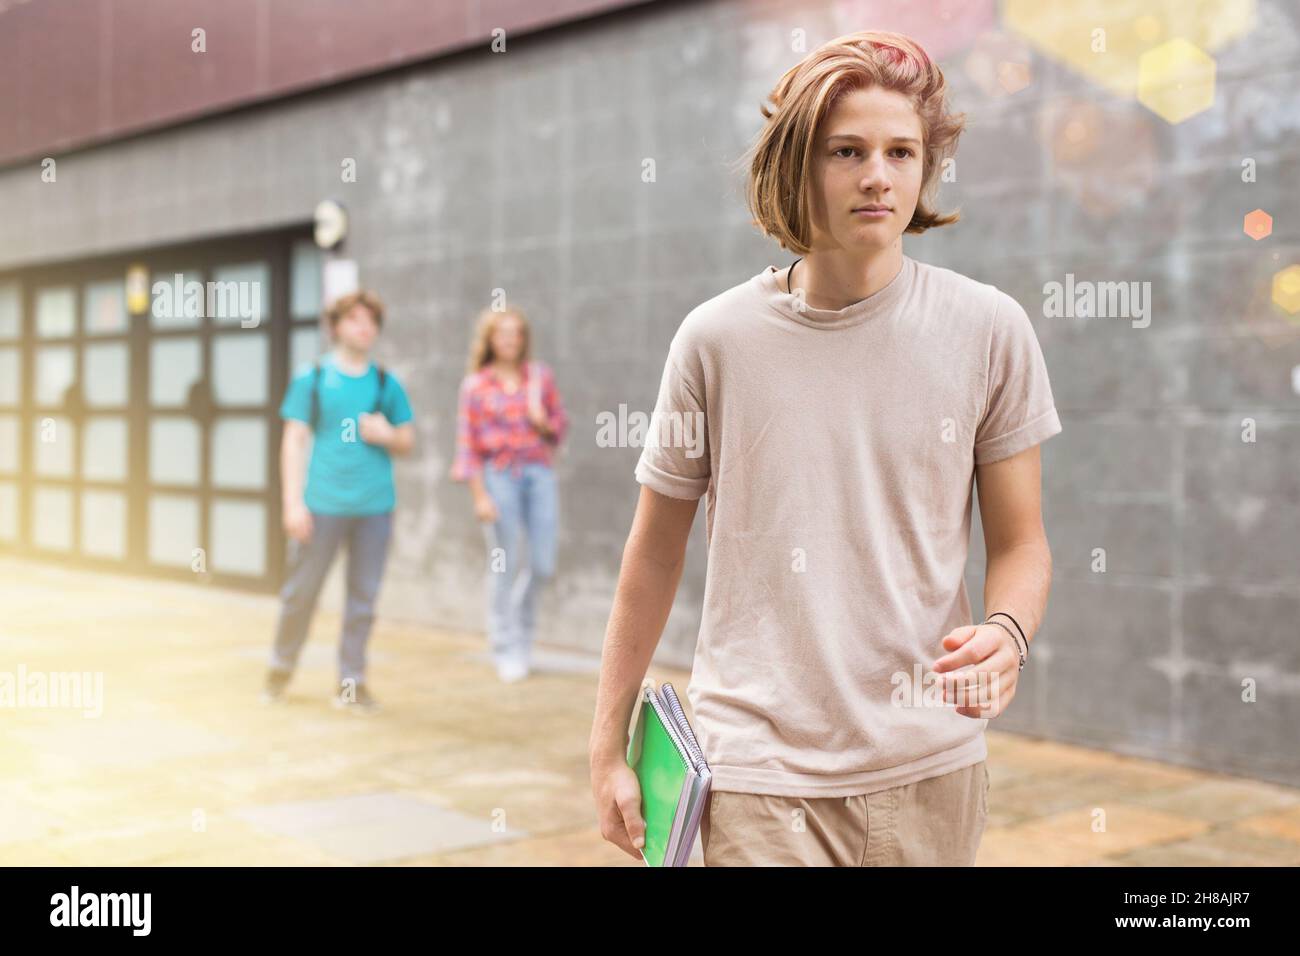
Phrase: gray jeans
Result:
[367,539]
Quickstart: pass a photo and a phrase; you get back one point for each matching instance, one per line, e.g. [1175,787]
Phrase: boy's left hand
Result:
[985,663]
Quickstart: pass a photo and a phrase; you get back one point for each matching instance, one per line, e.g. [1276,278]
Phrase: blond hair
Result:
[480,348]
[781,158]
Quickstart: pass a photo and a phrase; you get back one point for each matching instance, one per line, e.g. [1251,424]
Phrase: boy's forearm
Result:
[402,442]
[1017,581]
[642,602]
[291,477]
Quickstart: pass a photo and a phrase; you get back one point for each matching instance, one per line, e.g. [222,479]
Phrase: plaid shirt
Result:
[493,425]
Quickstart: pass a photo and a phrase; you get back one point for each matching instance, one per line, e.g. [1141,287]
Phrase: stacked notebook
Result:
[674,777]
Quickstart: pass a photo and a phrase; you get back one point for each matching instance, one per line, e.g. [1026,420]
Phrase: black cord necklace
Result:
[789,287]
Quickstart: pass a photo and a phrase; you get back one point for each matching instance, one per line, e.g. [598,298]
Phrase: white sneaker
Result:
[512,669]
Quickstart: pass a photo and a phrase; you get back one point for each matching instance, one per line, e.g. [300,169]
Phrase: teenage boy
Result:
[847,402]
[356,415]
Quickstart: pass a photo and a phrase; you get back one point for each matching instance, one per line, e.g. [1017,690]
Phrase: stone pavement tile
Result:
[1055,788]
[1031,796]
[112,741]
[1221,846]
[377,827]
[1284,824]
[1067,838]
[23,819]
[583,847]
[140,843]
[1049,756]
[108,800]
[1223,799]
[229,841]
[35,853]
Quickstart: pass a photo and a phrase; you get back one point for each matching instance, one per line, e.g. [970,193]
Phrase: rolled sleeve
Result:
[675,458]
[1020,411]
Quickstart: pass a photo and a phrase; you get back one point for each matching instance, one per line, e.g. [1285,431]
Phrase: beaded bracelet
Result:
[1014,640]
[1018,628]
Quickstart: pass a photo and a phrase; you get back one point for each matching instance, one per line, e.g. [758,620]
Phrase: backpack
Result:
[315,394]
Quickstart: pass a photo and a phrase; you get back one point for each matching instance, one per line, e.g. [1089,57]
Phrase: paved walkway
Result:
[184,766]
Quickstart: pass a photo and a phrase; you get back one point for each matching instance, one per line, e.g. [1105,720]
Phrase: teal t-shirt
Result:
[347,475]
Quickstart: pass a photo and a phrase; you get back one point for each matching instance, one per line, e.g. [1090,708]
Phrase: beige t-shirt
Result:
[838,450]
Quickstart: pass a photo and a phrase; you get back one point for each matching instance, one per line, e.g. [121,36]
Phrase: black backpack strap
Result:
[383,378]
[315,397]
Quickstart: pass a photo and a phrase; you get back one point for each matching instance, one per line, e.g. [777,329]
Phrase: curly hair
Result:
[344,304]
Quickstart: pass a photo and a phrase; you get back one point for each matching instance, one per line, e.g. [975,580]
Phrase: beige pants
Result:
[934,822]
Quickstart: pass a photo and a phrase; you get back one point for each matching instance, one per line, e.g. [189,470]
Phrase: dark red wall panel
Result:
[76,72]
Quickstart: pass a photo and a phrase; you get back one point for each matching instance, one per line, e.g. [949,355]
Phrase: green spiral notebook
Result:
[673,774]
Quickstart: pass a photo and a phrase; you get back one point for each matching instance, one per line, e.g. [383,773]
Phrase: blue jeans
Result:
[367,542]
[527,502]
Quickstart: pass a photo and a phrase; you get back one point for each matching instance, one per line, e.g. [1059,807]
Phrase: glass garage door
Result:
[149,441]
[11,390]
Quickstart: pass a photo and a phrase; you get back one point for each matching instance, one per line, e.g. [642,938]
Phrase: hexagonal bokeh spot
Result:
[1257,224]
[1176,80]
[1286,289]
[1104,39]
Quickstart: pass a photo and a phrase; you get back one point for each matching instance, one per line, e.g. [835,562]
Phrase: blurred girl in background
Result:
[510,422]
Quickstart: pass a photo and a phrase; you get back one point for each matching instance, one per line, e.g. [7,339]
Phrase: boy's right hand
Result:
[618,805]
[297,523]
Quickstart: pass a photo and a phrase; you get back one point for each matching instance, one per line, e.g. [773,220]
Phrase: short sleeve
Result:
[397,406]
[1019,411]
[297,398]
[675,456]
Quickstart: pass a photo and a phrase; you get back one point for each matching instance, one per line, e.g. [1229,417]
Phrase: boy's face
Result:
[357,329]
[867,153]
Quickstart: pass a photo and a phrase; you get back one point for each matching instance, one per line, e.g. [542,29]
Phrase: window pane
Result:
[105,307]
[173,529]
[52,518]
[11,370]
[305,346]
[54,437]
[171,306]
[239,453]
[105,375]
[10,310]
[238,537]
[54,373]
[239,368]
[174,366]
[103,448]
[173,451]
[103,523]
[9,443]
[306,286]
[8,511]
[56,312]
[240,294]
